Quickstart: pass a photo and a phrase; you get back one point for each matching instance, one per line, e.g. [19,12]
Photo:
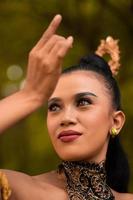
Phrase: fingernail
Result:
[58,17]
[70,39]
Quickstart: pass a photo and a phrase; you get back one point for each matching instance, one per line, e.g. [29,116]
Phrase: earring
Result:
[113,132]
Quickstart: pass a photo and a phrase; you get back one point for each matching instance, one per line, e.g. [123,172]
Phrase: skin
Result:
[43,82]
[83,117]
[85,114]
[44,69]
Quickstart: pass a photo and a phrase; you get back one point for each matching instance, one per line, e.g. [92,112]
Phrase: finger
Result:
[64,49]
[49,31]
[51,43]
[61,49]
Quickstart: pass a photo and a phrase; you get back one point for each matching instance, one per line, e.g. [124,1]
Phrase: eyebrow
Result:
[52,100]
[77,96]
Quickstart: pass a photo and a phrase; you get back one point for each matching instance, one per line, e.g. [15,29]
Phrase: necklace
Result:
[86,181]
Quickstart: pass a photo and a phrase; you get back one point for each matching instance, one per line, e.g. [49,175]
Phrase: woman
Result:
[83,112]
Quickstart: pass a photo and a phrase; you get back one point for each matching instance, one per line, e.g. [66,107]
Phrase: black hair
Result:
[117,167]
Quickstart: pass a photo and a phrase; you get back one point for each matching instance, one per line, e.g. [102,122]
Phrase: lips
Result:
[68,136]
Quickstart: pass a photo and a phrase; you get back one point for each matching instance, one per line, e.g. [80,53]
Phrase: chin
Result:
[73,157]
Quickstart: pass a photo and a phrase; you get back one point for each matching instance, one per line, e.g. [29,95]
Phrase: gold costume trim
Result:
[5,189]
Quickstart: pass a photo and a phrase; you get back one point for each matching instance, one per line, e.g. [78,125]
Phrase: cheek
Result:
[97,120]
[96,125]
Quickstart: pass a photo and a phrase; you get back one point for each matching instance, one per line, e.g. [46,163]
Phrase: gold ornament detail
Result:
[4,187]
[110,46]
[114,132]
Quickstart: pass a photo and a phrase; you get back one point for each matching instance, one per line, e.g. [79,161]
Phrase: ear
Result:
[118,120]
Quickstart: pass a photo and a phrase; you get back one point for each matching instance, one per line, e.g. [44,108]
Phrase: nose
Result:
[68,118]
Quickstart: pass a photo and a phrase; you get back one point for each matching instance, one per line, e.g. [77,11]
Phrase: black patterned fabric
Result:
[86,181]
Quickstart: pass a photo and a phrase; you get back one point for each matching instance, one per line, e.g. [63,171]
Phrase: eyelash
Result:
[85,100]
[81,102]
[51,108]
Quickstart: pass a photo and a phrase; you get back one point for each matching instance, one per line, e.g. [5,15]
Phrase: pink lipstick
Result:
[69,136]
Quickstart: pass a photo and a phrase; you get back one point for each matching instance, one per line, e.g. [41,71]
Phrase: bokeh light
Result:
[14,72]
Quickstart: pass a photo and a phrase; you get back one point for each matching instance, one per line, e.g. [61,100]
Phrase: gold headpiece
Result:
[110,46]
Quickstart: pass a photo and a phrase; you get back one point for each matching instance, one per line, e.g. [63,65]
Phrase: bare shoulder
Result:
[25,187]
[50,179]
[19,183]
[127,196]
[123,196]
[15,177]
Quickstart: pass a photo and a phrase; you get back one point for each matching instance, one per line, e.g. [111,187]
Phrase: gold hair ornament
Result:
[4,187]
[110,46]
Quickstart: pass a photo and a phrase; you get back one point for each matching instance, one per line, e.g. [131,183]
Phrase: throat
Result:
[85,181]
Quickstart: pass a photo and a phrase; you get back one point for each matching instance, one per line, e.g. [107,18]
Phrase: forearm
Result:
[16,107]
[44,70]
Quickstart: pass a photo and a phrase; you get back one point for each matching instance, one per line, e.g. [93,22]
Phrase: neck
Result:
[86,180]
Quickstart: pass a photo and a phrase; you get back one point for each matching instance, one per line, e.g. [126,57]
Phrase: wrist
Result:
[34,100]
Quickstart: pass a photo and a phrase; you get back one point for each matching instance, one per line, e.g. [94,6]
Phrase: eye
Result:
[84,102]
[54,107]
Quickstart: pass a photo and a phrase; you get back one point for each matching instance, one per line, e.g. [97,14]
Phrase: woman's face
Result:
[80,117]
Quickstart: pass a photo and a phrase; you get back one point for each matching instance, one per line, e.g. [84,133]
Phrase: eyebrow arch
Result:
[52,100]
[78,95]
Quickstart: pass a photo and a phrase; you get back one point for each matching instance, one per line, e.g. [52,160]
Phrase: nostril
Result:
[67,122]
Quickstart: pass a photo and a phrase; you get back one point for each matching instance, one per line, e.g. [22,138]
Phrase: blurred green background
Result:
[26,146]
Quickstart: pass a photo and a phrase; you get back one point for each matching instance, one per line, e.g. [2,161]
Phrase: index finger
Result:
[49,31]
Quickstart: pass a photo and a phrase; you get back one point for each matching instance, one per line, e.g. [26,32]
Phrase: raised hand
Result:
[44,68]
[45,61]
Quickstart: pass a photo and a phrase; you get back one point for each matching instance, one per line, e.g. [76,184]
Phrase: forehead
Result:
[80,81]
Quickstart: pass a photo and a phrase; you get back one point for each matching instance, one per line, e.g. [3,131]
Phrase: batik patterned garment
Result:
[86,181]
